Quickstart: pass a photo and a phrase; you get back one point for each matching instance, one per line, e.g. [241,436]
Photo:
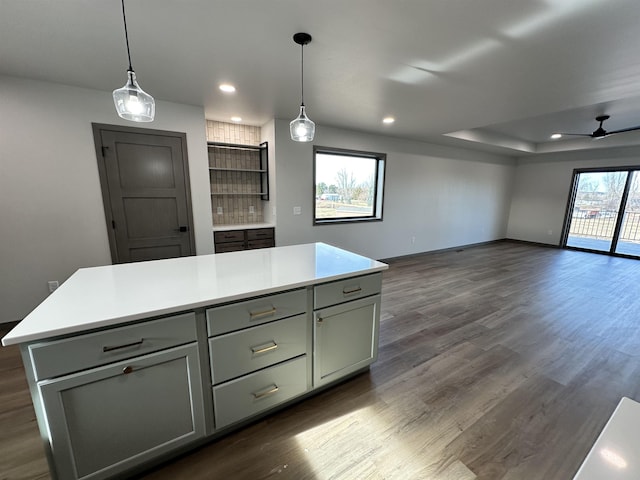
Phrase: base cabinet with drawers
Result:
[260,352]
[117,400]
[250,239]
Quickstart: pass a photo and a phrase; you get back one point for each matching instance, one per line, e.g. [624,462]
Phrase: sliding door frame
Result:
[621,208]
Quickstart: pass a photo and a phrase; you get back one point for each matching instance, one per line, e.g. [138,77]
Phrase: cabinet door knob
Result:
[128,369]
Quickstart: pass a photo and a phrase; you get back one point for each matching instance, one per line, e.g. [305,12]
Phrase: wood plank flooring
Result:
[501,361]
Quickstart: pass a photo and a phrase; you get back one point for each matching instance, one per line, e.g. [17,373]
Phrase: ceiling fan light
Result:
[133,103]
[302,128]
[227,88]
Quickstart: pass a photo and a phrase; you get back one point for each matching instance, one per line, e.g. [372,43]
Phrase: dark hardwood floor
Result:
[501,361]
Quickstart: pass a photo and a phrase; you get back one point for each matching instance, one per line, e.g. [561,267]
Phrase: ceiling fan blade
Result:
[630,129]
[600,132]
[577,134]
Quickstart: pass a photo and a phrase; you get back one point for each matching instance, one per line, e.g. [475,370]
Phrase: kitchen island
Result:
[130,364]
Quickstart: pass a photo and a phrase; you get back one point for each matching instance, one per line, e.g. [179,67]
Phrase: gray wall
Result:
[444,197]
[50,202]
[541,189]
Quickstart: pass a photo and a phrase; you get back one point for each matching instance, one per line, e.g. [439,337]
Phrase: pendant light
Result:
[133,103]
[302,128]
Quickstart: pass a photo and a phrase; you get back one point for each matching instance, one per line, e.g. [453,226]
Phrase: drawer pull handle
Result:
[118,347]
[128,369]
[268,391]
[264,349]
[266,313]
[352,291]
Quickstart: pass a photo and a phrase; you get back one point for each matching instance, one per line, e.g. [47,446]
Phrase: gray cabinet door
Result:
[345,339]
[108,419]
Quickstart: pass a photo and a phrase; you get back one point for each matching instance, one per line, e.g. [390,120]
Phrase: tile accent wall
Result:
[232,133]
[236,209]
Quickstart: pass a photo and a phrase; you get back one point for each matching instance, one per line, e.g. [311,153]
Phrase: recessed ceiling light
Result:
[227,88]
[388,120]
[236,119]
[556,136]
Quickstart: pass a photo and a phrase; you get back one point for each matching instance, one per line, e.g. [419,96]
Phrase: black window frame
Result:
[378,188]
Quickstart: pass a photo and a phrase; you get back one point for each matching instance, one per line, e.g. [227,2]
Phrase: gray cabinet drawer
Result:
[229,247]
[253,312]
[229,236]
[266,243]
[260,234]
[237,353]
[254,393]
[345,290]
[59,357]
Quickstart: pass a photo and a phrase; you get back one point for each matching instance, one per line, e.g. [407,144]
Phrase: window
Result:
[348,185]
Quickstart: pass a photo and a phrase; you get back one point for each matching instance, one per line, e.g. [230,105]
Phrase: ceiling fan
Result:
[599,132]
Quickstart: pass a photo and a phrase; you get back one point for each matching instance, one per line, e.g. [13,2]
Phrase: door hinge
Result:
[113,224]
[104,152]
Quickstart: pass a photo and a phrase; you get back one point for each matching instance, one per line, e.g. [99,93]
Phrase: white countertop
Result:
[616,453]
[105,296]
[242,226]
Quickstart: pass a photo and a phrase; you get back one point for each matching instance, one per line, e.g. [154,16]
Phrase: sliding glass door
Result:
[629,238]
[604,212]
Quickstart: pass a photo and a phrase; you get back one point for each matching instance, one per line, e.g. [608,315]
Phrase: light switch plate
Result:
[297,210]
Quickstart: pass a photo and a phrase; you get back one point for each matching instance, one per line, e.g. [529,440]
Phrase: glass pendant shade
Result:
[302,128]
[133,103]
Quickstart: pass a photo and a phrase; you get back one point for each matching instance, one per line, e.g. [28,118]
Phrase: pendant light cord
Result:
[301,74]
[126,37]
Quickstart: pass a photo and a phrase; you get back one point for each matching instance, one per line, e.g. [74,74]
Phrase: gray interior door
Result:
[145,188]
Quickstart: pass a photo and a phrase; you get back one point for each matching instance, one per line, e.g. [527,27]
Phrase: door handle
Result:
[183,229]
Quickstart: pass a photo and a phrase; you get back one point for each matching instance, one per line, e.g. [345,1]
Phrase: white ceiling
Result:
[503,74]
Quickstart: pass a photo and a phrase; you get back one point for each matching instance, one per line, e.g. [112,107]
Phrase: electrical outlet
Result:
[413,239]
[252,209]
[219,211]
[53,284]
[549,232]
